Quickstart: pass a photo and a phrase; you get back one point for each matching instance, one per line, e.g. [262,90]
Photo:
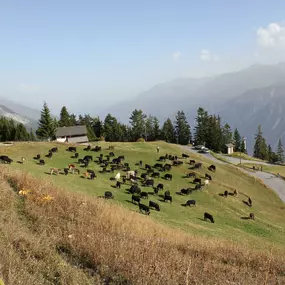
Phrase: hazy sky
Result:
[87,54]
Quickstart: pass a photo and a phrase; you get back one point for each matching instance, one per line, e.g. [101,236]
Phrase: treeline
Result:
[11,131]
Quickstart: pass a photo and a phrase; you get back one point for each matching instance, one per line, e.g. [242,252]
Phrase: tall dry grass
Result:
[74,239]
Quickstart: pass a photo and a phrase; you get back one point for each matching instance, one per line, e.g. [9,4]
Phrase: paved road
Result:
[273,182]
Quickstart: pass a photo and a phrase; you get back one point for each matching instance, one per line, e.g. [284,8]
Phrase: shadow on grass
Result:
[245,218]
[246,203]
[201,219]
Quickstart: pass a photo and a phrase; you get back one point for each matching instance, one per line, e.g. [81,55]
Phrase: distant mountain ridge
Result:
[233,95]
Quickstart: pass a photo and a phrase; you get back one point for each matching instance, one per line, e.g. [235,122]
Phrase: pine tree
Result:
[242,147]
[201,127]
[64,118]
[260,146]
[182,128]
[137,121]
[280,151]
[156,129]
[32,136]
[168,131]
[46,127]
[227,134]
[112,130]
[21,133]
[214,138]
[237,140]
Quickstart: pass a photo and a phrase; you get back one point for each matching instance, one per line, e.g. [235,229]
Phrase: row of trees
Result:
[263,151]
[10,131]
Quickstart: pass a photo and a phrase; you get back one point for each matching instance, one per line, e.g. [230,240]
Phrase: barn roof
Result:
[71,131]
[229,145]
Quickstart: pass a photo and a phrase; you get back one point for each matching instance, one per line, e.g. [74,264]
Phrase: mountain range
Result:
[244,99]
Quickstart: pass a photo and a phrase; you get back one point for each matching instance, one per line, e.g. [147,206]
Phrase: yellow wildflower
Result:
[24,192]
[48,198]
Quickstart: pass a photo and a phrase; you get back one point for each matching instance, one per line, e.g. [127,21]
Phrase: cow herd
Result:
[160,169]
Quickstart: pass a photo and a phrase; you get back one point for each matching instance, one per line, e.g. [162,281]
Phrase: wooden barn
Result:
[73,134]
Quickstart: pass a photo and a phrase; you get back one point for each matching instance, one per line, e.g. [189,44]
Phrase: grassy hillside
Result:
[243,156]
[72,239]
[266,231]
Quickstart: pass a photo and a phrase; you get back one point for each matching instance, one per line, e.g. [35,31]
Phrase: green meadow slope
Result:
[268,229]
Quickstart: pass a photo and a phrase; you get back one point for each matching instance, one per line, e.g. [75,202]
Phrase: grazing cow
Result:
[158,165]
[208,216]
[197,180]
[155,175]
[72,149]
[42,162]
[144,208]
[191,174]
[111,154]
[75,170]
[71,166]
[140,163]
[23,159]
[167,167]
[108,195]
[90,171]
[136,199]
[135,189]
[6,159]
[147,166]
[149,182]
[92,176]
[206,182]
[88,158]
[87,148]
[192,162]
[168,176]
[38,156]
[198,186]
[249,202]
[187,191]
[54,170]
[130,174]
[212,168]
[154,205]
[118,176]
[185,155]
[144,195]
[118,184]
[49,155]
[168,198]
[162,158]
[251,216]
[235,193]
[143,175]
[65,170]
[54,149]
[80,160]
[167,193]
[198,165]
[86,163]
[190,202]
[226,193]
[159,186]
[209,177]
[76,155]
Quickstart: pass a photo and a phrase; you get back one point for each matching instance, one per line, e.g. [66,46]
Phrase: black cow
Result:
[168,198]
[121,157]
[49,155]
[226,193]
[187,191]
[251,216]
[212,168]
[135,189]
[42,162]
[208,216]
[6,159]
[118,184]
[154,205]
[143,175]
[155,174]
[38,156]
[185,155]
[167,167]
[167,193]
[92,176]
[198,165]
[207,176]
[140,163]
[72,149]
[158,165]
[65,171]
[87,148]
[168,176]
[54,149]
[190,202]
[197,180]
[108,195]
[136,199]
[88,158]
[76,155]
[162,158]
[80,160]
[147,166]
[144,195]
[198,186]
[160,186]
[191,174]
[192,162]
[149,182]
[144,208]
[111,154]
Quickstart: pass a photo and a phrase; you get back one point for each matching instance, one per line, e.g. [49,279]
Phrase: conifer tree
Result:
[168,132]
[201,128]
[137,121]
[64,118]
[182,129]
[260,146]
[280,151]
[46,125]
[237,140]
